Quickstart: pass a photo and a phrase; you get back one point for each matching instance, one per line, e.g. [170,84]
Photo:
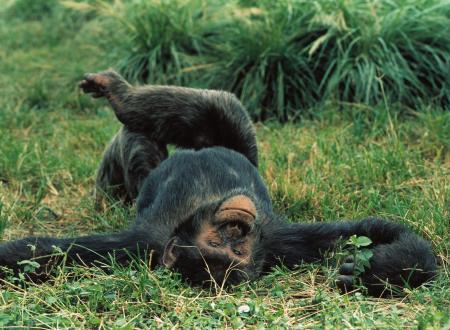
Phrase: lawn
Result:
[341,160]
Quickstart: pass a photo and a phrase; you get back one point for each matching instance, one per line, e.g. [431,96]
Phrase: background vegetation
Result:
[367,82]
[283,56]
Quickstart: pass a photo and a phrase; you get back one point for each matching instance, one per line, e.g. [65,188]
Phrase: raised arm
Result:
[186,117]
[400,257]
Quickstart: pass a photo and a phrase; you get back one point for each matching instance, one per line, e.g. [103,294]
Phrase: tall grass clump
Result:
[281,57]
[372,52]
[163,41]
[263,59]
[293,54]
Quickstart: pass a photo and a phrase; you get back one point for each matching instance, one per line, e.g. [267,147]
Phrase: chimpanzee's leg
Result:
[185,117]
[126,163]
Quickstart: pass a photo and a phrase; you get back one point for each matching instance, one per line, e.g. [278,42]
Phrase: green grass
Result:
[282,57]
[347,162]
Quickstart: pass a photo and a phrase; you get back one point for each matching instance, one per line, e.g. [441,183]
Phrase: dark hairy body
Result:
[205,211]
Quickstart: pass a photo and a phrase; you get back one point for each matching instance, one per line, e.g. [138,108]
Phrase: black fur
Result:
[176,196]
[126,163]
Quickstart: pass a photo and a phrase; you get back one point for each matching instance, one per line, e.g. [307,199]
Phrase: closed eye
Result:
[237,252]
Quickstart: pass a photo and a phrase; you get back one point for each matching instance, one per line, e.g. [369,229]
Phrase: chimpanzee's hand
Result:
[346,279]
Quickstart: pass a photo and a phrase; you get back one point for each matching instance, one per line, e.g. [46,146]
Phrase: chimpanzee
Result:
[205,211]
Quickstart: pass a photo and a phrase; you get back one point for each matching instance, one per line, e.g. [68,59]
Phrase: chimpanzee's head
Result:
[218,244]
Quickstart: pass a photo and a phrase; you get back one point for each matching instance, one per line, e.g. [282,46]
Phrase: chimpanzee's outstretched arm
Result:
[87,250]
[399,256]
[186,117]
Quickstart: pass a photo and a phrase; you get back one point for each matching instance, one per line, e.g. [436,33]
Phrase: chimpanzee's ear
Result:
[170,254]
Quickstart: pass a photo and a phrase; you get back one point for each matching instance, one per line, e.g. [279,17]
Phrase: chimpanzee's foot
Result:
[98,84]
[345,280]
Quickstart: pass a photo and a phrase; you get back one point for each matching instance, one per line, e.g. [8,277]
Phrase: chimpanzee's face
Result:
[217,246]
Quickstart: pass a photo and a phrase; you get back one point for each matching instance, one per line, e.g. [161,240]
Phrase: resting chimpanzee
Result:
[205,211]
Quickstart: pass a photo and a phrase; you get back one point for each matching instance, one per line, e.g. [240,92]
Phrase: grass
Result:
[339,162]
[282,57]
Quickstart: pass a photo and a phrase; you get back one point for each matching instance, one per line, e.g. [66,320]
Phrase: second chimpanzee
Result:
[205,211]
